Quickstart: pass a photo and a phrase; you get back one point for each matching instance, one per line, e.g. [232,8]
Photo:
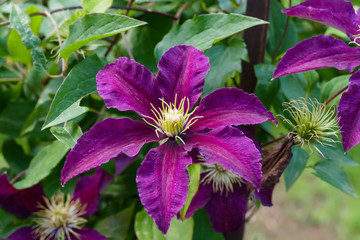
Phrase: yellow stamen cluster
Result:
[312,122]
[59,218]
[172,120]
[221,179]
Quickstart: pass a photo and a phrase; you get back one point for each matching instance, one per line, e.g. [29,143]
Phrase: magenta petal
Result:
[339,14]
[90,234]
[128,85]
[88,190]
[349,113]
[318,52]
[21,203]
[104,141]
[232,150]
[227,212]
[265,196]
[23,233]
[182,70]
[162,181]
[230,106]
[200,199]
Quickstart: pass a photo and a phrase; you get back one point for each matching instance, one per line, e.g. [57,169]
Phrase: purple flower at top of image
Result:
[326,51]
[166,103]
[58,217]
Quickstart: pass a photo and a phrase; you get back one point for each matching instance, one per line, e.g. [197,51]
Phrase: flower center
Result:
[172,119]
[221,179]
[59,218]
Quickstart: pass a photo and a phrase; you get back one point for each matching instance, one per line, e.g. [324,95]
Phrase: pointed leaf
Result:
[42,164]
[204,30]
[146,229]
[333,174]
[79,83]
[68,134]
[296,166]
[20,21]
[116,226]
[95,26]
[336,153]
[224,60]
[194,172]
[92,6]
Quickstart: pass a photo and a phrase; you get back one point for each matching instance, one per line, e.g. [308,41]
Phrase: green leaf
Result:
[42,106]
[95,26]
[266,89]
[79,83]
[146,229]
[17,50]
[296,166]
[336,153]
[12,118]
[203,227]
[276,30]
[19,21]
[42,164]
[116,226]
[224,60]
[143,40]
[333,86]
[194,172]
[333,174]
[15,156]
[96,6]
[303,84]
[203,31]
[68,135]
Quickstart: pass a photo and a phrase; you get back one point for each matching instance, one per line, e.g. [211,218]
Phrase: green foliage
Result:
[203,31]
[79,83]
[20,22]
[94,6]
[194,172]
[296,166]
[146,229]
[224,60]
[95,26]
[68,134]
[42,164]
[333,174]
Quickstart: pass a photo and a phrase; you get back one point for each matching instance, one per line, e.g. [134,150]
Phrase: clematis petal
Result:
[128,85]
[349,113]
[265,196]
[227,212]
[230,106]
[22,233]
[21,203]
[339,14]
[122,162]
[231,149]
[162,181]
[104,141]
[88,190]
[182,70]
[200,199]
[318,52]
[90,234]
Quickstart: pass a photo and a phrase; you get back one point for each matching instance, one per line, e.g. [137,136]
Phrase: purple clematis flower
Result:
[326,51]
[58,217]
[164,103]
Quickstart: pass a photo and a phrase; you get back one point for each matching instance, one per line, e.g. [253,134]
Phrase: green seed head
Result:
[312,121]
